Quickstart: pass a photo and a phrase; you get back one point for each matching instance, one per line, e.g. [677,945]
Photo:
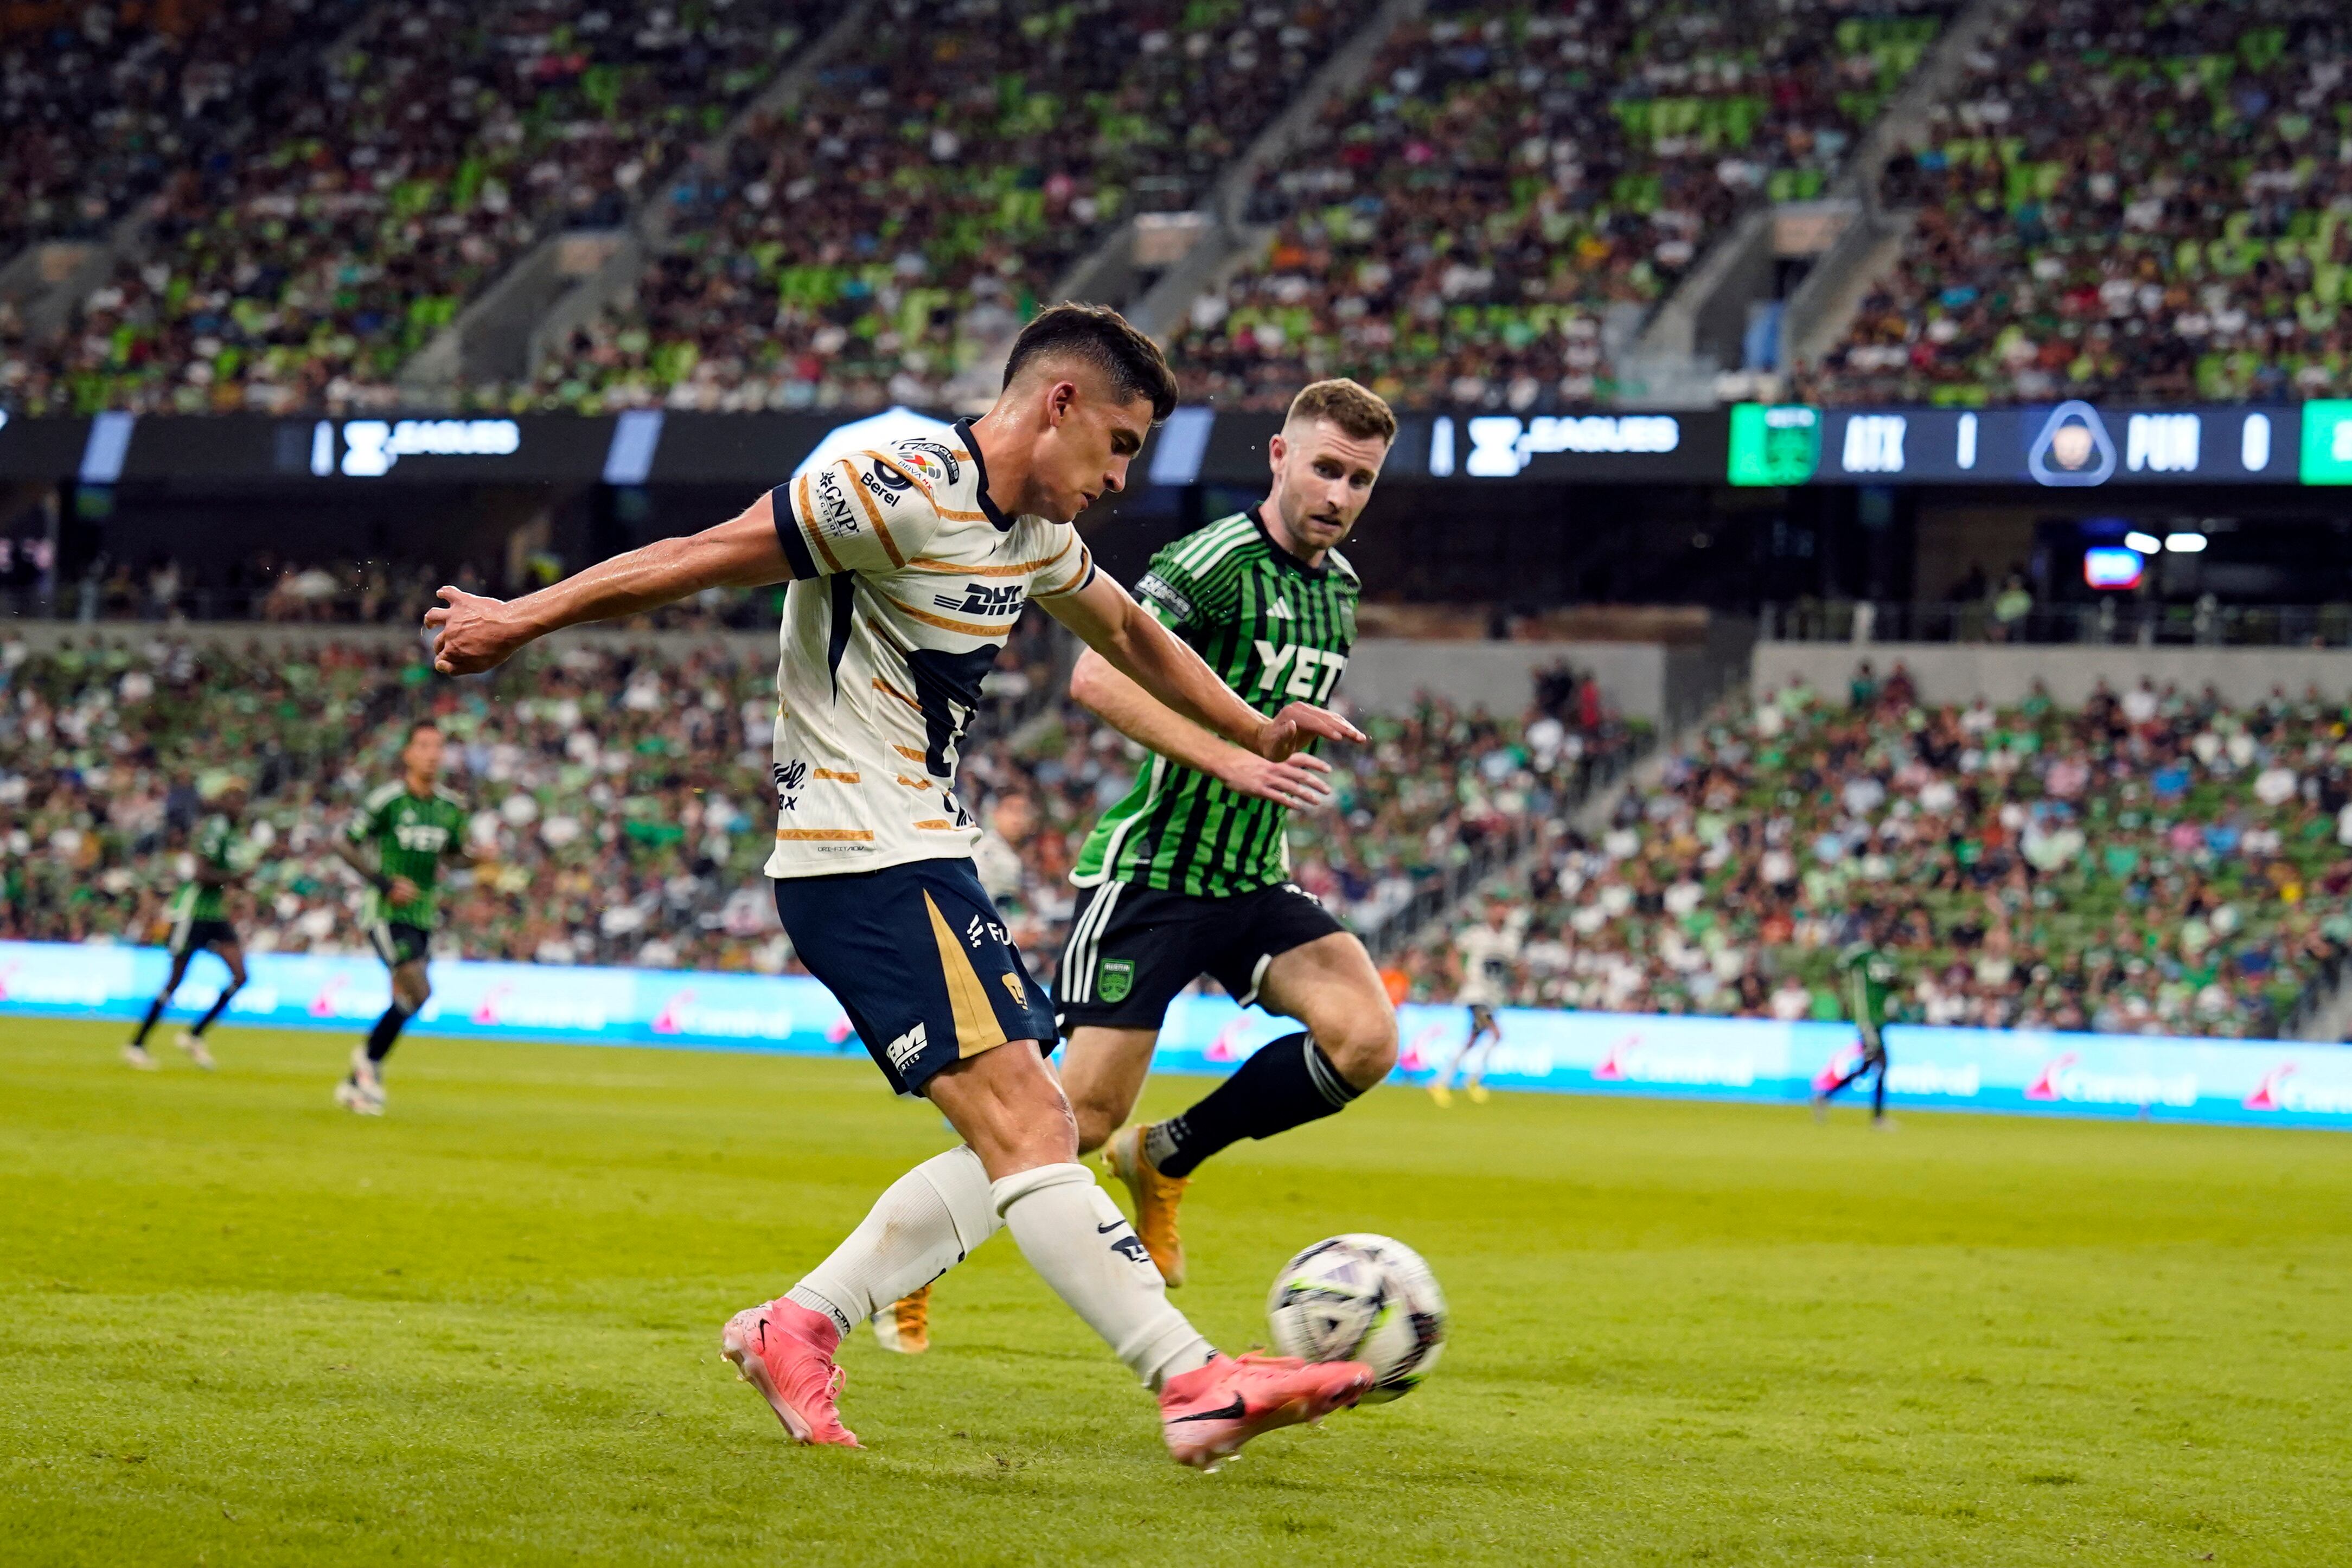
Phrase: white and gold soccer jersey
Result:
[905,581]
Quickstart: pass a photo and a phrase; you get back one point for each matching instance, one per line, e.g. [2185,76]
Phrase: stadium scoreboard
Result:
[2071,444]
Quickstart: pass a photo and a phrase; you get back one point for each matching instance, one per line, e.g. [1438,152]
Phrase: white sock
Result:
[930,1221]
[1076,1238]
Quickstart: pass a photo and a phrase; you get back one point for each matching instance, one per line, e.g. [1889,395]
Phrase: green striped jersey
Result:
[1871,978]
[214,843]
[411,835]
[1276,630]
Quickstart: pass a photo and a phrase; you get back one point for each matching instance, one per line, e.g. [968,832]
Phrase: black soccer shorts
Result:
[190,935]
[396,943]
[920,960]
[1132,948]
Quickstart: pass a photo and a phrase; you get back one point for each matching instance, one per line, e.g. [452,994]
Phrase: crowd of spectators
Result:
[100,102]
[2125,201]
[619,793]
[1460,226]
[407,167]
[2152,863]
[907,214]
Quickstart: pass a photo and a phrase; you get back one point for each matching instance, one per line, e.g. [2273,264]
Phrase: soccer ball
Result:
[1360,1297]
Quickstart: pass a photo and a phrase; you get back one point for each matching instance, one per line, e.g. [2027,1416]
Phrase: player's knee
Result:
[1096,1123]
[1361,1043]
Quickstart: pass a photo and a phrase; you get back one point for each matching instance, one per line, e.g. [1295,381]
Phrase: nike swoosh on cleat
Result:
[763,1336]
[1232,1412]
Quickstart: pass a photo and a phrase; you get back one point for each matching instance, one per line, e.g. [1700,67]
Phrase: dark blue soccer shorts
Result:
[919,958]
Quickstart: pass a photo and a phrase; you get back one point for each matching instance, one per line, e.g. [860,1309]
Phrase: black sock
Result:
[220,1005]
[387,1029]
[154,1011]
[1287,1084]
[1878,1093]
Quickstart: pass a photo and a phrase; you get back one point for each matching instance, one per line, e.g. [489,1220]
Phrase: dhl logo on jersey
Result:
[979,598]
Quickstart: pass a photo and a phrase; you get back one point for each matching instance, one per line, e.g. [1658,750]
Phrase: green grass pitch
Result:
[238,1326]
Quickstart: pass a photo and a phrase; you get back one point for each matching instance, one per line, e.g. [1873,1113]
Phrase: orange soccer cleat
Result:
[1156,1199]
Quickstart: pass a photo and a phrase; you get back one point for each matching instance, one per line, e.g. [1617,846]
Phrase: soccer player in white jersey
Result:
[908,567]
[1487,953]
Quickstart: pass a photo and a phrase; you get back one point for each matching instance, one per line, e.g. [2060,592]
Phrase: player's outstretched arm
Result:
[1139,647]
[477,633]
[1127,708]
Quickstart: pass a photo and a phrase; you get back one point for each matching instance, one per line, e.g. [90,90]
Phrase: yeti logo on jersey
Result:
[979,598]
[1154,588]
[1312,672]
[906,1049]
[1113,978]
[423,839]
[833,511]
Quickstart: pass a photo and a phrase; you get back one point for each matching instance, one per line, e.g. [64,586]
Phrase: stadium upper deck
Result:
[939,178]
[1507,172]
[2125,201]
[400,173]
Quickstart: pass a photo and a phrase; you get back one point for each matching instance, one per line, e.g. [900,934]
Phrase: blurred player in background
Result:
[199,922]
[1488,953]
[398,841]
[1871,976]
[909,567]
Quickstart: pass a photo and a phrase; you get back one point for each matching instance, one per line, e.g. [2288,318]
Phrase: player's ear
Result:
[1276,449]
[1060,399]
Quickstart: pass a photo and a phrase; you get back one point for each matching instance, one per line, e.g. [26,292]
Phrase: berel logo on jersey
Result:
[887,483]
[1313,671]
[979,598]
[905,1048]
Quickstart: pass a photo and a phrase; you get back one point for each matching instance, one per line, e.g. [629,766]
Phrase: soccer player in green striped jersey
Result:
[397,841]
[1870,975]
[199,922]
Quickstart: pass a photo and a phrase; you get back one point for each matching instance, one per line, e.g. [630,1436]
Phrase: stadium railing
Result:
[2204,624]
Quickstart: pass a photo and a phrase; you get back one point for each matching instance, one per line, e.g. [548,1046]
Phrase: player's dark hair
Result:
[1103,338]
[1356,409]
[431,724]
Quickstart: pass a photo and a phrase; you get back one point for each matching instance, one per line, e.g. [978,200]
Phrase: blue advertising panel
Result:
[2262,1083]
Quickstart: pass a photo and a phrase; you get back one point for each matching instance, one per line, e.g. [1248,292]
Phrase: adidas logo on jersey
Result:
[1280,610]
[905,1049]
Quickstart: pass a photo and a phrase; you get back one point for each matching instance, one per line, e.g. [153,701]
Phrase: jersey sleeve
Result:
[1172,592]
[1069,565]
[868,511]
[365,821]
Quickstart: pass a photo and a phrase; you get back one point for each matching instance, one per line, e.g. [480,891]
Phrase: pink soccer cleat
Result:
[785,1351]
[1209,1412]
